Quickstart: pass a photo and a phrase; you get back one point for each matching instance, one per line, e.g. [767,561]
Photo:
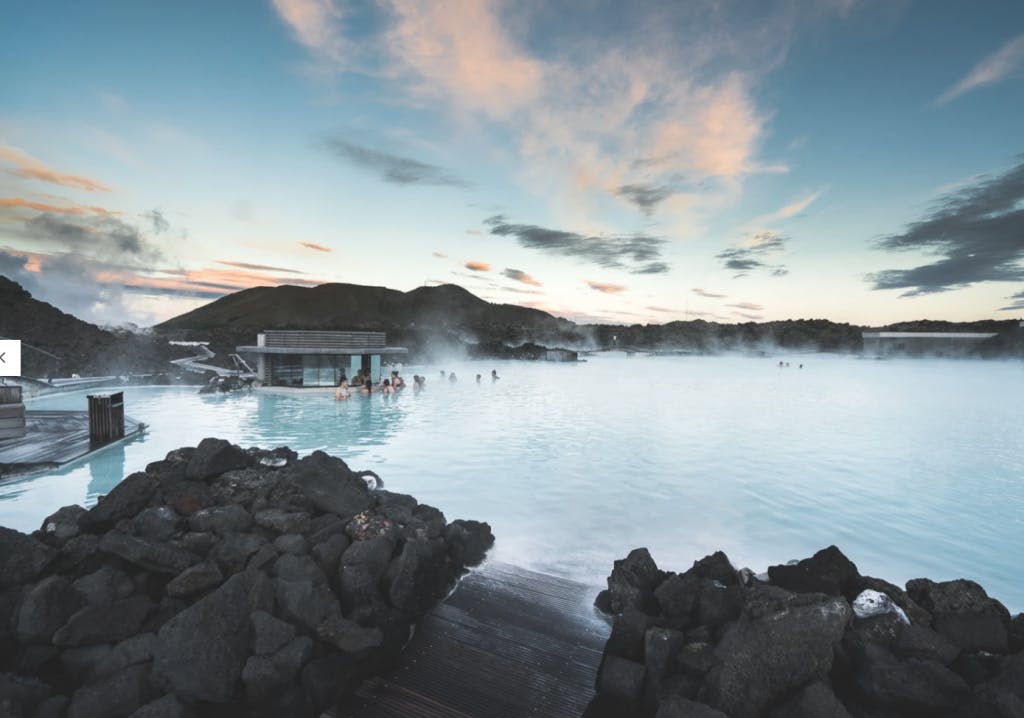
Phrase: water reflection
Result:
[103,470]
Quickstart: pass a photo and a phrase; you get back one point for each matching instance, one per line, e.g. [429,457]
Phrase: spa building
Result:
[306,358]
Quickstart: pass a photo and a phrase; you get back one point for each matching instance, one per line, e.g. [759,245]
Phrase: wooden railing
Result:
[10,394]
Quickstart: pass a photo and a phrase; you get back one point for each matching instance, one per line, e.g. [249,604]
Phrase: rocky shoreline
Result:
[811,639]
[221,582]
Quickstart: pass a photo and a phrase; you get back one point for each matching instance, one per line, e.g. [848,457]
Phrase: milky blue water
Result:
[913,468]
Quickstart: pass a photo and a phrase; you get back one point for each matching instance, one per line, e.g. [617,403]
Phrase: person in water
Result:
[367,387]
[451,378]
[442,373]
[477,378]
[397,382]
[494,375]
[386,387]
[343,391]
[418,381]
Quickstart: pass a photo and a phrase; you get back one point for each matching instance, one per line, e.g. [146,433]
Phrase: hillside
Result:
[428,320]
[77,347]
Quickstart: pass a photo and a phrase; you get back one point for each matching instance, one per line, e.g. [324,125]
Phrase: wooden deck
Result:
[506,643]
[53,438]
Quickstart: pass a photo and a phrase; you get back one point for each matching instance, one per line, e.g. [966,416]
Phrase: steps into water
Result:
[506,643]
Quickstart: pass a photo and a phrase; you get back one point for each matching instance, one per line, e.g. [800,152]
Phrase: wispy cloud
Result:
[666,310]
[317,24]
[794,208]
[993,69]
[476,266]
[392,168]
[753,254]
[440,255]
[247,265]
[519,290]
[605,287]
[705,293]
[1016,304]
[978,231]
[673,88]
[747,305]
[521,276]
[157,219]
[637,253]
[317,247]
[29,168]
[20,203]
[751,317]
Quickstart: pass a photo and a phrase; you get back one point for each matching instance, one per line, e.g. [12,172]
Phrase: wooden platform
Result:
[53,438]
[507,643]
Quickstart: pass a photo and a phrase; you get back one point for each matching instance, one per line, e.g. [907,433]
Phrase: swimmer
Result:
[343,391]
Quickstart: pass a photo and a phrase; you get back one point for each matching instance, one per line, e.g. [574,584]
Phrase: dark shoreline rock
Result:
[712,641]
[221,581]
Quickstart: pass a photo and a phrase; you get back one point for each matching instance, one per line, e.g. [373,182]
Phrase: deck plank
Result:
[53,438]
[506,643]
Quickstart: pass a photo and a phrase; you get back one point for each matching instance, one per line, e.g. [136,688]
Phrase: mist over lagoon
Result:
[911,467]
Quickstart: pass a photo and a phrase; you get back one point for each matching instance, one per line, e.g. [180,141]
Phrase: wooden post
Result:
[106,418]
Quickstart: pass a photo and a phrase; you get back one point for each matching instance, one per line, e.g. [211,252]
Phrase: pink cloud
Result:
[478,266]
[317,247]
[30,168]
[605,287]
[18,202]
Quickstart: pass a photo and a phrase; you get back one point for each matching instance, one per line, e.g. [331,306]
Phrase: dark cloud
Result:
[521,276]
[637,253]
[752,257]
[1016,305]
[751,317]
[977,231]
[646,197]
[705,293]
[72,283]
[160,223]
[393,168]
[105,237]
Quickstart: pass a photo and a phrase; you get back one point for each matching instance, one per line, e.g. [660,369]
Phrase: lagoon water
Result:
[913,468]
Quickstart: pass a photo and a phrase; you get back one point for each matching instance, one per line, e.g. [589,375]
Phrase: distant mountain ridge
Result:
[433,322]
[447,307]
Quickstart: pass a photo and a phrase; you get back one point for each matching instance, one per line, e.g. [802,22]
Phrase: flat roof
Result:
[344,351]
[928,335]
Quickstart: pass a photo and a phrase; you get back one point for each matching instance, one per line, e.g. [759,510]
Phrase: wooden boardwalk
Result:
[507,643]
[53,438]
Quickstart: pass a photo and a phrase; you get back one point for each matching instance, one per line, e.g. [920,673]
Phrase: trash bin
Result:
[106,418]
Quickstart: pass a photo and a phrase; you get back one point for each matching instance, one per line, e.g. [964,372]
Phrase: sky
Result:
[621,162]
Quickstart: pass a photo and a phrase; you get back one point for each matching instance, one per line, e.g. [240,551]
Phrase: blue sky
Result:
[856,160]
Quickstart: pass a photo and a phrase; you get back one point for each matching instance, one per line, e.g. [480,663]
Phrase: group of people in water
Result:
[363,383]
